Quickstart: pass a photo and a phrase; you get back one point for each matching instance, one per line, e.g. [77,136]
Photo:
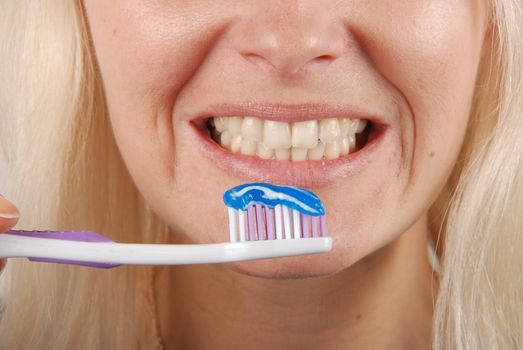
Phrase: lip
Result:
[287,113]
[309,173]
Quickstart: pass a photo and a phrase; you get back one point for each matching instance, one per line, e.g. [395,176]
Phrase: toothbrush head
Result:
[260,211]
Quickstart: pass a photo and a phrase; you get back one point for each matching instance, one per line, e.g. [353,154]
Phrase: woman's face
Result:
[407,68]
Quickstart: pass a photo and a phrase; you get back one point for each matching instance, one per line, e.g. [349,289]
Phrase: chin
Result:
[298,267]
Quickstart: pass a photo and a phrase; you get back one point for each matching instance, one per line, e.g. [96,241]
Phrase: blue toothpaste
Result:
[243,196]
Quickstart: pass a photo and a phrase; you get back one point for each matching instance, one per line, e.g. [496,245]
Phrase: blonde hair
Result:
[65,172]
[480,301]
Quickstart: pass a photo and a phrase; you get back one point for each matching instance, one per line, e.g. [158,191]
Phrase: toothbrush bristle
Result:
[260,222]
[306,225]
[269,215]
[232,225]
[251,219]
[241,223]
[323,226]
[287,227]
[279,221]
[315,228]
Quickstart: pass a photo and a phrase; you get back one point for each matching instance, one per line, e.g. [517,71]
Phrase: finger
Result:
[8,215]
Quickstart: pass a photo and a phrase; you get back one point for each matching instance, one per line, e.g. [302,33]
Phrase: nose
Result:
[290,41]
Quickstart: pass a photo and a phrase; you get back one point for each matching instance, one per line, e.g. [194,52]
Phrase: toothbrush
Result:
[265,221]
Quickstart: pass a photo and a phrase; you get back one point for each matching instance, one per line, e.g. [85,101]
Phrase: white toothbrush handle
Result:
[157,254]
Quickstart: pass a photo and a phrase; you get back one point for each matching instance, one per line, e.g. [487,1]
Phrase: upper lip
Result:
[288,112]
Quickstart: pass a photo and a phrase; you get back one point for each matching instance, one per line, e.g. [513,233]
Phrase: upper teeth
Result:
[312,139]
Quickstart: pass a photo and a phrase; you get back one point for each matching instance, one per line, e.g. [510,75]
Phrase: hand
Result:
[8,218]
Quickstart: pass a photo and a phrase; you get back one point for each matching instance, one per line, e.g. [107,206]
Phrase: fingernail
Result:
[9,215]
[8,210]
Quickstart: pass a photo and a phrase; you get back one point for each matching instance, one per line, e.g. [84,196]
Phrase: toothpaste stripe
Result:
[275,195]
[270,195]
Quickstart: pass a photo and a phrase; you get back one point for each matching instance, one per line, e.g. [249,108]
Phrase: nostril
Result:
[287,65]
[259,61]
[325,58]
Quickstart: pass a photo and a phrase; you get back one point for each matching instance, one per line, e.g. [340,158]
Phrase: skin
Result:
[8,218]
[417,60]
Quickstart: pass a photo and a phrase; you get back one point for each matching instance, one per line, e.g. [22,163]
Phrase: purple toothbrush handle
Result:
[82,236]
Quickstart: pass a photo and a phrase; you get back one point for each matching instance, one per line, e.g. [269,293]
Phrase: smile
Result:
[304,145]
[328,138]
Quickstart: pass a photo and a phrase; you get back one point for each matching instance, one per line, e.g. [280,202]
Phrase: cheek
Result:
[146,53]
[431,59]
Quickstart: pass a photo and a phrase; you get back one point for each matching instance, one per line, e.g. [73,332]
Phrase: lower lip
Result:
[308,174]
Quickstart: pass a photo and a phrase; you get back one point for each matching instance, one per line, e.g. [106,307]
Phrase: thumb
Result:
[8,215]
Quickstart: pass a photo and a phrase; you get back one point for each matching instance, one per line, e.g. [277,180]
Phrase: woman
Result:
[107,125]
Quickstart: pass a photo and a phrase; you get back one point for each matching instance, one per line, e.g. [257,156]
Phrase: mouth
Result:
[298,145]
[329,138]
